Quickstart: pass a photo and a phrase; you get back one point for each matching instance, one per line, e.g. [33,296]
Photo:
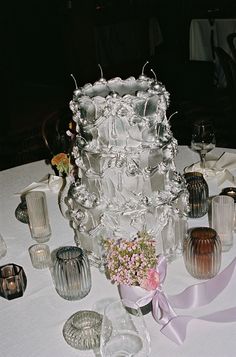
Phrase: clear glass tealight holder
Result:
[83,329]
[40,256]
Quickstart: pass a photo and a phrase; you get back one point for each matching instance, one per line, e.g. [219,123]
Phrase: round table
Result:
[31,326]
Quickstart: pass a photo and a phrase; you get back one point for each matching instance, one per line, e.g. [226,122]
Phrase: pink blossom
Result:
[152,280]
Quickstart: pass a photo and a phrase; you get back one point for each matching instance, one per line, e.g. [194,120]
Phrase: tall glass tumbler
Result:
[231,192]
[223,220]
[124,333]
[71,273]
[38,216]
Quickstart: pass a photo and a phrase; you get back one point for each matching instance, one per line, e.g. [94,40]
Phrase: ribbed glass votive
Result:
[198,194]
[40,256]
[83,329]
[202,253]
[71,273]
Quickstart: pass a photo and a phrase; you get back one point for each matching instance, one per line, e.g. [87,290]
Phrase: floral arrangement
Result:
[132,262]
[62,163]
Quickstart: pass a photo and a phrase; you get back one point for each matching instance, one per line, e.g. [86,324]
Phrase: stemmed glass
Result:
[203,139]
[124,333]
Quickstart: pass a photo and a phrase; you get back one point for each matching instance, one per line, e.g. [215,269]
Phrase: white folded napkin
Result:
[48,182]
[221,168]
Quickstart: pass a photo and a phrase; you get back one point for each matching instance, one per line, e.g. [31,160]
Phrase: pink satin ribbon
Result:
[175,326]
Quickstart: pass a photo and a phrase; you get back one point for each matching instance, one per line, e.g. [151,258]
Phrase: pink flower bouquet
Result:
[132,262]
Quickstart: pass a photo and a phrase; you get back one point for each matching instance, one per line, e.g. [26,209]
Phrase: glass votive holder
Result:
[229,191]
[38,216]
[202,252]
[40,256]
[83,329]
[198,194]
[21,212]
[71,273]
[12,281]
[3,247]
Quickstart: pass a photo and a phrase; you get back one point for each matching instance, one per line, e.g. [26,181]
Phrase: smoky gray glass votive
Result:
[229,191]
[71,273]
[21,212]
[13,281]
[198,194]
[83,329]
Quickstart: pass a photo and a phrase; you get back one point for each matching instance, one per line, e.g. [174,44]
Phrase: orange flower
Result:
[62,162]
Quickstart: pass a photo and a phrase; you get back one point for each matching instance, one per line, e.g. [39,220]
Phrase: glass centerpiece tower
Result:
[127,181]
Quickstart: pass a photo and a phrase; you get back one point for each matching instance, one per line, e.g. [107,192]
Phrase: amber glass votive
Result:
[202,253]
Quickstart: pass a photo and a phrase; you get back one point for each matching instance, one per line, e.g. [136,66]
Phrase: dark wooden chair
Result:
[229,68]
[231,39]
[54,128]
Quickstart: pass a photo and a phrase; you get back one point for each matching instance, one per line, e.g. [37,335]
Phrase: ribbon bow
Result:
[175,326]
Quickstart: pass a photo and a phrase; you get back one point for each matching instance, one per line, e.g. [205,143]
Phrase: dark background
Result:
[44,41]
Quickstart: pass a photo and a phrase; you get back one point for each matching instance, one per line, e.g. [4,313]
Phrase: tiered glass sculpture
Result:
[124,151]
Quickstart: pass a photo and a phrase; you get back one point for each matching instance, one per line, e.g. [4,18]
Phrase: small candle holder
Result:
[83,329]
[229,191]
[198,194]
[202,253]
[21,212]
[12,281]
[71,273]
[40,256]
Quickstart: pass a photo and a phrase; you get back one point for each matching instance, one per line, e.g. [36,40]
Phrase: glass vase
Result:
[124,334]
[198,194]
[63,197]
[202,253]
[71,273]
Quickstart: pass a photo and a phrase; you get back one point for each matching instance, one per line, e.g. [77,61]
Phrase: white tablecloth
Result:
[31,326]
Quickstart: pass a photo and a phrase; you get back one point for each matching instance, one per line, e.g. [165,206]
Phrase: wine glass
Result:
[124,333]
[203,139]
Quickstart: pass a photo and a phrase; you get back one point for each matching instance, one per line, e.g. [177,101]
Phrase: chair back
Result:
[54,128]
[231,39]
[229,68]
